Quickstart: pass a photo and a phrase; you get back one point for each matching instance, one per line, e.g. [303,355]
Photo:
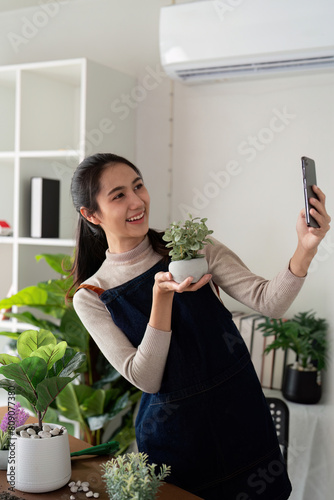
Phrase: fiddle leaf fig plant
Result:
[42,369]
[187,239]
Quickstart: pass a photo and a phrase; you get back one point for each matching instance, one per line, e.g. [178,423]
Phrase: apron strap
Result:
[95,289]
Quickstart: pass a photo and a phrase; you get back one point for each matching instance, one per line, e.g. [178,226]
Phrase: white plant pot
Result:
[182,269]
[3,459]
[39,465]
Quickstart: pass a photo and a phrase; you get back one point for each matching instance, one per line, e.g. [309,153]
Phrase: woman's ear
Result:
[91,218]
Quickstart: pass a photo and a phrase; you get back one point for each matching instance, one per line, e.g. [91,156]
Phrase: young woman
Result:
[202,410]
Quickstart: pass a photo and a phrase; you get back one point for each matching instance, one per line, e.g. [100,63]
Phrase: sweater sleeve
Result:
[268,297]
[143,366]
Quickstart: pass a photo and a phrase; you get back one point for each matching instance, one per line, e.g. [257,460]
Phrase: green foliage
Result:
[101,392]
[131,477]
[188,239]
[33,376]
[304,334]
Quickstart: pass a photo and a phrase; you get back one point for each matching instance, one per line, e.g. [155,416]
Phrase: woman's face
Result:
[124,204]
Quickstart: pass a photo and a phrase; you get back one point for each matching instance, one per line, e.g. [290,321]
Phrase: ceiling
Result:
[123,34]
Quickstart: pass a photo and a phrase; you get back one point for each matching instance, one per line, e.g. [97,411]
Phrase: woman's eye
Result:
[138,186]
[120,195]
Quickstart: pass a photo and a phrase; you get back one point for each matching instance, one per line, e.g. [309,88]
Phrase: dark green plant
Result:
[130,476]
[187,239]
[304,334]
[42,369]
[101,392]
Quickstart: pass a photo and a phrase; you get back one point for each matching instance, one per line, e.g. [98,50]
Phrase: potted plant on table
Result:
[186,240]
[39,454]
[306,335]
[130,476]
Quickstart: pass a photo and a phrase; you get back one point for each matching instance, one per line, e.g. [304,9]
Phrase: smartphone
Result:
[309,180]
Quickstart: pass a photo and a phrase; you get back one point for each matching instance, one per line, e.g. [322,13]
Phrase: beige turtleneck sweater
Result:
[144,366]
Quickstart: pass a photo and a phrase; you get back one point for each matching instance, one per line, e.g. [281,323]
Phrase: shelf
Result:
[54,113]
[54,242]
[59,153]
[15,326]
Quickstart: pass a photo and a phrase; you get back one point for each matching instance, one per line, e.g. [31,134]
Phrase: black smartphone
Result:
[309,180]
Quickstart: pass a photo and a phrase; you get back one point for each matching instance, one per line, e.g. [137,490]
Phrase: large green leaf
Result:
[10,335]
[93,405]
[73,330]
[11,386]
[31,340]
[51,353]
[68,405]
[28,317]
[59,262]
[7,359]
[49,389]
[28,373]
[70,362]
[29,296]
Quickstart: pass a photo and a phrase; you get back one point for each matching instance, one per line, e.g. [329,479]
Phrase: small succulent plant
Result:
[131,477]
[187,239]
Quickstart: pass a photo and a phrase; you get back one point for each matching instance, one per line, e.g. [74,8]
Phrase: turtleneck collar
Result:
[130,255]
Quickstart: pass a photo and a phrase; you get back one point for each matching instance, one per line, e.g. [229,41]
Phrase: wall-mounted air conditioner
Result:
[217,40]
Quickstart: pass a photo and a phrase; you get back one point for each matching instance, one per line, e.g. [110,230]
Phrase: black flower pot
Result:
[301,386]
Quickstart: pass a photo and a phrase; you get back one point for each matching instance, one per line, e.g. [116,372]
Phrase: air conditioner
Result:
[217,40]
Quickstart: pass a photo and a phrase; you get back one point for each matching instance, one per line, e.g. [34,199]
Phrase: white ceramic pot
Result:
[3,459]
[182,269]
[39,465]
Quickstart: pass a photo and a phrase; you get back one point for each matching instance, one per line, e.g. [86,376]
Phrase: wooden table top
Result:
[87,468]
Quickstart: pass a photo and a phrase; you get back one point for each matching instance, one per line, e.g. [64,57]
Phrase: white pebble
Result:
[44,434]
[85,483]
[85,488]
[31,431]
[74,489]
[46,428]
[96,495]
[72,483]
[24,434]
[34,436]
[89,494]
[78,483]
[55,431]
[72,497]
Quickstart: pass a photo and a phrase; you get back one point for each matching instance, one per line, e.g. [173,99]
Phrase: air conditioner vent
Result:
[238,69]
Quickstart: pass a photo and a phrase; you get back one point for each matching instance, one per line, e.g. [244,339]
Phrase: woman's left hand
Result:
[310,237]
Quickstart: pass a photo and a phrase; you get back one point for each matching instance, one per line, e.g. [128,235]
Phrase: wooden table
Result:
[88,468]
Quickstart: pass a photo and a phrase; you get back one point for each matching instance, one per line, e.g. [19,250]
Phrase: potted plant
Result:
[129,476]
[39,455]
[185,241]
[14,417]
[306,335]
[103,396]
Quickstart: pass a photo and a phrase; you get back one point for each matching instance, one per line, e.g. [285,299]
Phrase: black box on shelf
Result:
[45,201]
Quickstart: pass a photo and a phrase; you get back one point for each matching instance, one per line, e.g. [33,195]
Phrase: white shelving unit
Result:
[53,115]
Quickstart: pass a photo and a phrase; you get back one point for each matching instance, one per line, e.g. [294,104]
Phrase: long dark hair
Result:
[91,241]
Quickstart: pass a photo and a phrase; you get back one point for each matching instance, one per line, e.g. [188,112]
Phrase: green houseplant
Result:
[130,476]
[42,369]
[306,336]
[186,240]
[102,395]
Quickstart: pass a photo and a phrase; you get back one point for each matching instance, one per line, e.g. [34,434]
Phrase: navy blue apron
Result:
[209,421]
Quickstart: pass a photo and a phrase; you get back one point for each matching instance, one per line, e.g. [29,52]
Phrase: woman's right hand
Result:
[164,283]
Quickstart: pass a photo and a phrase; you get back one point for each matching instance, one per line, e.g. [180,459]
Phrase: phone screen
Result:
[309,180]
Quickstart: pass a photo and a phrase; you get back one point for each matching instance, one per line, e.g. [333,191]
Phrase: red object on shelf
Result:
[5,228]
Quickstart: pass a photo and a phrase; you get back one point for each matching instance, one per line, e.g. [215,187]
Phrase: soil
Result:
[8,496]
